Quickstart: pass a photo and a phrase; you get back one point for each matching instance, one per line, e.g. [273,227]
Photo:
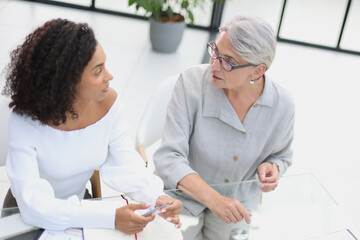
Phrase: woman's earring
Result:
[252,82]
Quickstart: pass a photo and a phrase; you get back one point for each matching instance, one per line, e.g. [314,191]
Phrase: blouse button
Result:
[226,181]
[256,105]
[235,158]
[243,133]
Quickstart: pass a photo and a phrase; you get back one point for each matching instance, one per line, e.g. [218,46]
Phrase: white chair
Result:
[153,119]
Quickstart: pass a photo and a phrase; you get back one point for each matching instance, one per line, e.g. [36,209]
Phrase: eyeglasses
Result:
[223,63]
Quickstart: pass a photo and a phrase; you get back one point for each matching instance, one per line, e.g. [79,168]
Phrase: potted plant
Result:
[167,20]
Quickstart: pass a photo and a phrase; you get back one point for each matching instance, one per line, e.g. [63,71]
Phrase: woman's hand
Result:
[171,212]
[129,222]
[229,210]
[268,175]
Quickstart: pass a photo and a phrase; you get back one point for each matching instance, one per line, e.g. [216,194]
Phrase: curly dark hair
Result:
[44,71]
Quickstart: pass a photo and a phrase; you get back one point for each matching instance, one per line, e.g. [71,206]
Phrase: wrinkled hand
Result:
[229,210]
[129,222]
[268,176]
[171,212]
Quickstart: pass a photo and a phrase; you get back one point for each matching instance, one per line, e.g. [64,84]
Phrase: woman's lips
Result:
[215,77]
[106,89]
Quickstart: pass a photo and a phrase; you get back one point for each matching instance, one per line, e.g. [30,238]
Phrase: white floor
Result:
[324,85]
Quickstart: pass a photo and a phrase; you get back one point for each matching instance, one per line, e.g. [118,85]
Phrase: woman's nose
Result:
[215,63]
[109,76]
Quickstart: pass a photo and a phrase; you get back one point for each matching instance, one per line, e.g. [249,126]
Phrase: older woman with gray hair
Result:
[227,121]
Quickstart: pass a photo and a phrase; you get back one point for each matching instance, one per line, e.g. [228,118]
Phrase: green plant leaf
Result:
[191,16]
[131,2]
[169,12]
[157,7]
[185,4]
[146,5]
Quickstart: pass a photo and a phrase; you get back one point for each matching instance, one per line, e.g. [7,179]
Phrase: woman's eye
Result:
[231,62]
[98,72]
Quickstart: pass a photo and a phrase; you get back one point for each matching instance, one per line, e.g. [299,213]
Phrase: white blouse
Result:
[49,169]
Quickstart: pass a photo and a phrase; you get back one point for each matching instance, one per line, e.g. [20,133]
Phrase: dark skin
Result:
[129,222]
[93,100]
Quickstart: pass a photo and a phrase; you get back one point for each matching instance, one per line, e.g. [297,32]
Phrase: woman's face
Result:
[94,83]
[236,79]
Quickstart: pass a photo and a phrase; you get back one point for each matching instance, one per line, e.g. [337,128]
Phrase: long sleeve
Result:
[35,195]
[125,171]
[171,159]
[283,154]
[49,169]
[203,134]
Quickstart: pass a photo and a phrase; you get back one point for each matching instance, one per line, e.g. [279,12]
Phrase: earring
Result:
[252,82]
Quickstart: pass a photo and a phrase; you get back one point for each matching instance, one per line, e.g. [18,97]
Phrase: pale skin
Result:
[242,95]
[93,100]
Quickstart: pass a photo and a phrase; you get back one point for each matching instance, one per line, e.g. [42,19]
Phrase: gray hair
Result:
[252,38]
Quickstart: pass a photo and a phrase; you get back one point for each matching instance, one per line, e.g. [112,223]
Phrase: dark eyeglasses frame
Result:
[233,67]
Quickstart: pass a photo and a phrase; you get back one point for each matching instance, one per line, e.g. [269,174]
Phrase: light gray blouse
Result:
[203,134]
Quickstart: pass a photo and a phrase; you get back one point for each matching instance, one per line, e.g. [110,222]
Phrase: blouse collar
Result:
[216,104]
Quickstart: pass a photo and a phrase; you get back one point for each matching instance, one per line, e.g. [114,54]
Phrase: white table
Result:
[299,209]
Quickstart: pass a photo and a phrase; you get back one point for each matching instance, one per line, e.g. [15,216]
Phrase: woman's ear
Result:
[258,71]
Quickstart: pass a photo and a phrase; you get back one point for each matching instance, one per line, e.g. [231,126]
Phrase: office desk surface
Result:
[298,209]
[12,226]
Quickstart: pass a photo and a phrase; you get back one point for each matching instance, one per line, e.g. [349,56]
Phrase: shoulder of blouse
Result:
[284,97]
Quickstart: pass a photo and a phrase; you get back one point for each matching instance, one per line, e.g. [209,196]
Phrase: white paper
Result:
[68,234]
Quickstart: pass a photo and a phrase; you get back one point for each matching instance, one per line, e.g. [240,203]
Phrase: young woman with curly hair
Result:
[66,122]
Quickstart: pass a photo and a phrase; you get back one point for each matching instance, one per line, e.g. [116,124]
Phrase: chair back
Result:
[151,124]
[4,133]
